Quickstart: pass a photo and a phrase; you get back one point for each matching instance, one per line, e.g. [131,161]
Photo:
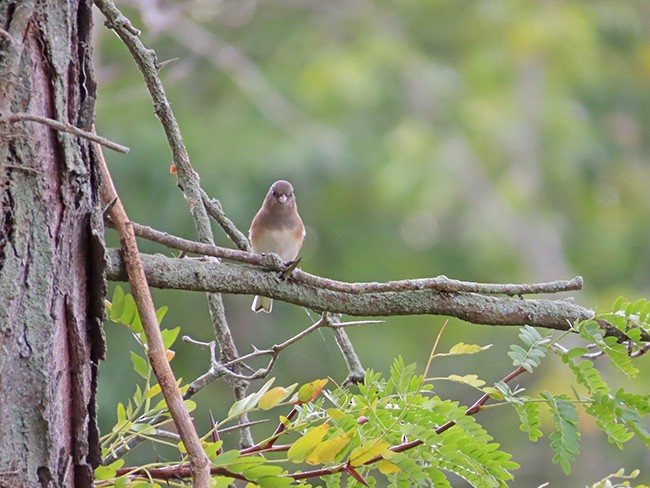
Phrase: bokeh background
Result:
[493,140]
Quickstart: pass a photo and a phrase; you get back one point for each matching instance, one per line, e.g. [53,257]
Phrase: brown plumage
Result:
[276,228]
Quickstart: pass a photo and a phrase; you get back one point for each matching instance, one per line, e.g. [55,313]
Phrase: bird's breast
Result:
[285,243]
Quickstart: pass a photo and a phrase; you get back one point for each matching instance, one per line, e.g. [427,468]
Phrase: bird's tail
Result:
[262,304]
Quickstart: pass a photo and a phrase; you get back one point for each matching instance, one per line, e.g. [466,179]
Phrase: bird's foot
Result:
[290,266]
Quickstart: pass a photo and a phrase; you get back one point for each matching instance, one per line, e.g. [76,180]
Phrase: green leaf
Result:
[635,307]
[564,441]
[310,391]
[160,314]
[121,412]
[617,353]
[225,458]
[575,352]
[529,416]
[532,357]
[211,448]
[262,471]
[221,482]
[245,463]
[104,473]
[145,429]
[169,336]
[136,327]
[274,481]
[129,312]
[140,365]
[108,472]
[117,304]
[618,304]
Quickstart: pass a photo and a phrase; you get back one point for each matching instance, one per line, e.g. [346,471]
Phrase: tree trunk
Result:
[51,249]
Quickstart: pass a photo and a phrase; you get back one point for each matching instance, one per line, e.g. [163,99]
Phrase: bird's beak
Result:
[283,198]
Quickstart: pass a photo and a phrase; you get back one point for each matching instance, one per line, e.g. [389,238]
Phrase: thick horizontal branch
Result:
[223,277]
[440,283]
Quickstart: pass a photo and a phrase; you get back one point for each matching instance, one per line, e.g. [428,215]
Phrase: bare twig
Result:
[188,179]
[65,127]
[356,371]
[199,462]
[218,370]
[213,207]
[593,355]
[272,262]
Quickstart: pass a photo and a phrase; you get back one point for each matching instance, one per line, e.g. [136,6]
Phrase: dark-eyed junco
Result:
[277,228]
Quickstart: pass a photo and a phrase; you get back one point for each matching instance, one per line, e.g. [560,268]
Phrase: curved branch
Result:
[223,277]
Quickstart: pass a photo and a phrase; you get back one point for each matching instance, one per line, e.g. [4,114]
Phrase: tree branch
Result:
[199,462]
[213,207]
[223,277]
[188,179]
[352,361]
[64,127]
[273,262]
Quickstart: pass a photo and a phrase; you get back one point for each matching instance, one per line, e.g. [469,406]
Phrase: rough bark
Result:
[224,277]
[51,250]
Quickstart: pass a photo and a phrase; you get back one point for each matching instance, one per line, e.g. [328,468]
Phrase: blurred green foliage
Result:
[492,140]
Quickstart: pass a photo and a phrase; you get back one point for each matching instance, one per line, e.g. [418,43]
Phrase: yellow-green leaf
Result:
[468,379]
[493,392]
[367,451]
[462,348]
[104,473]
[335,413]
[310,391]
[303,446]
[211,448]
[386,467]
[140,365]
[153,391]
[326,451]
[272,397]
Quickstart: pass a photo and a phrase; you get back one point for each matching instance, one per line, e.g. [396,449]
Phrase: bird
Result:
[276,228]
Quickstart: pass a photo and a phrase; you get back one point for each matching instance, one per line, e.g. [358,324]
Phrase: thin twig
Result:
[199,462]
[356,370]
[215,210]
[218,370]
[65,127]
[188,179]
